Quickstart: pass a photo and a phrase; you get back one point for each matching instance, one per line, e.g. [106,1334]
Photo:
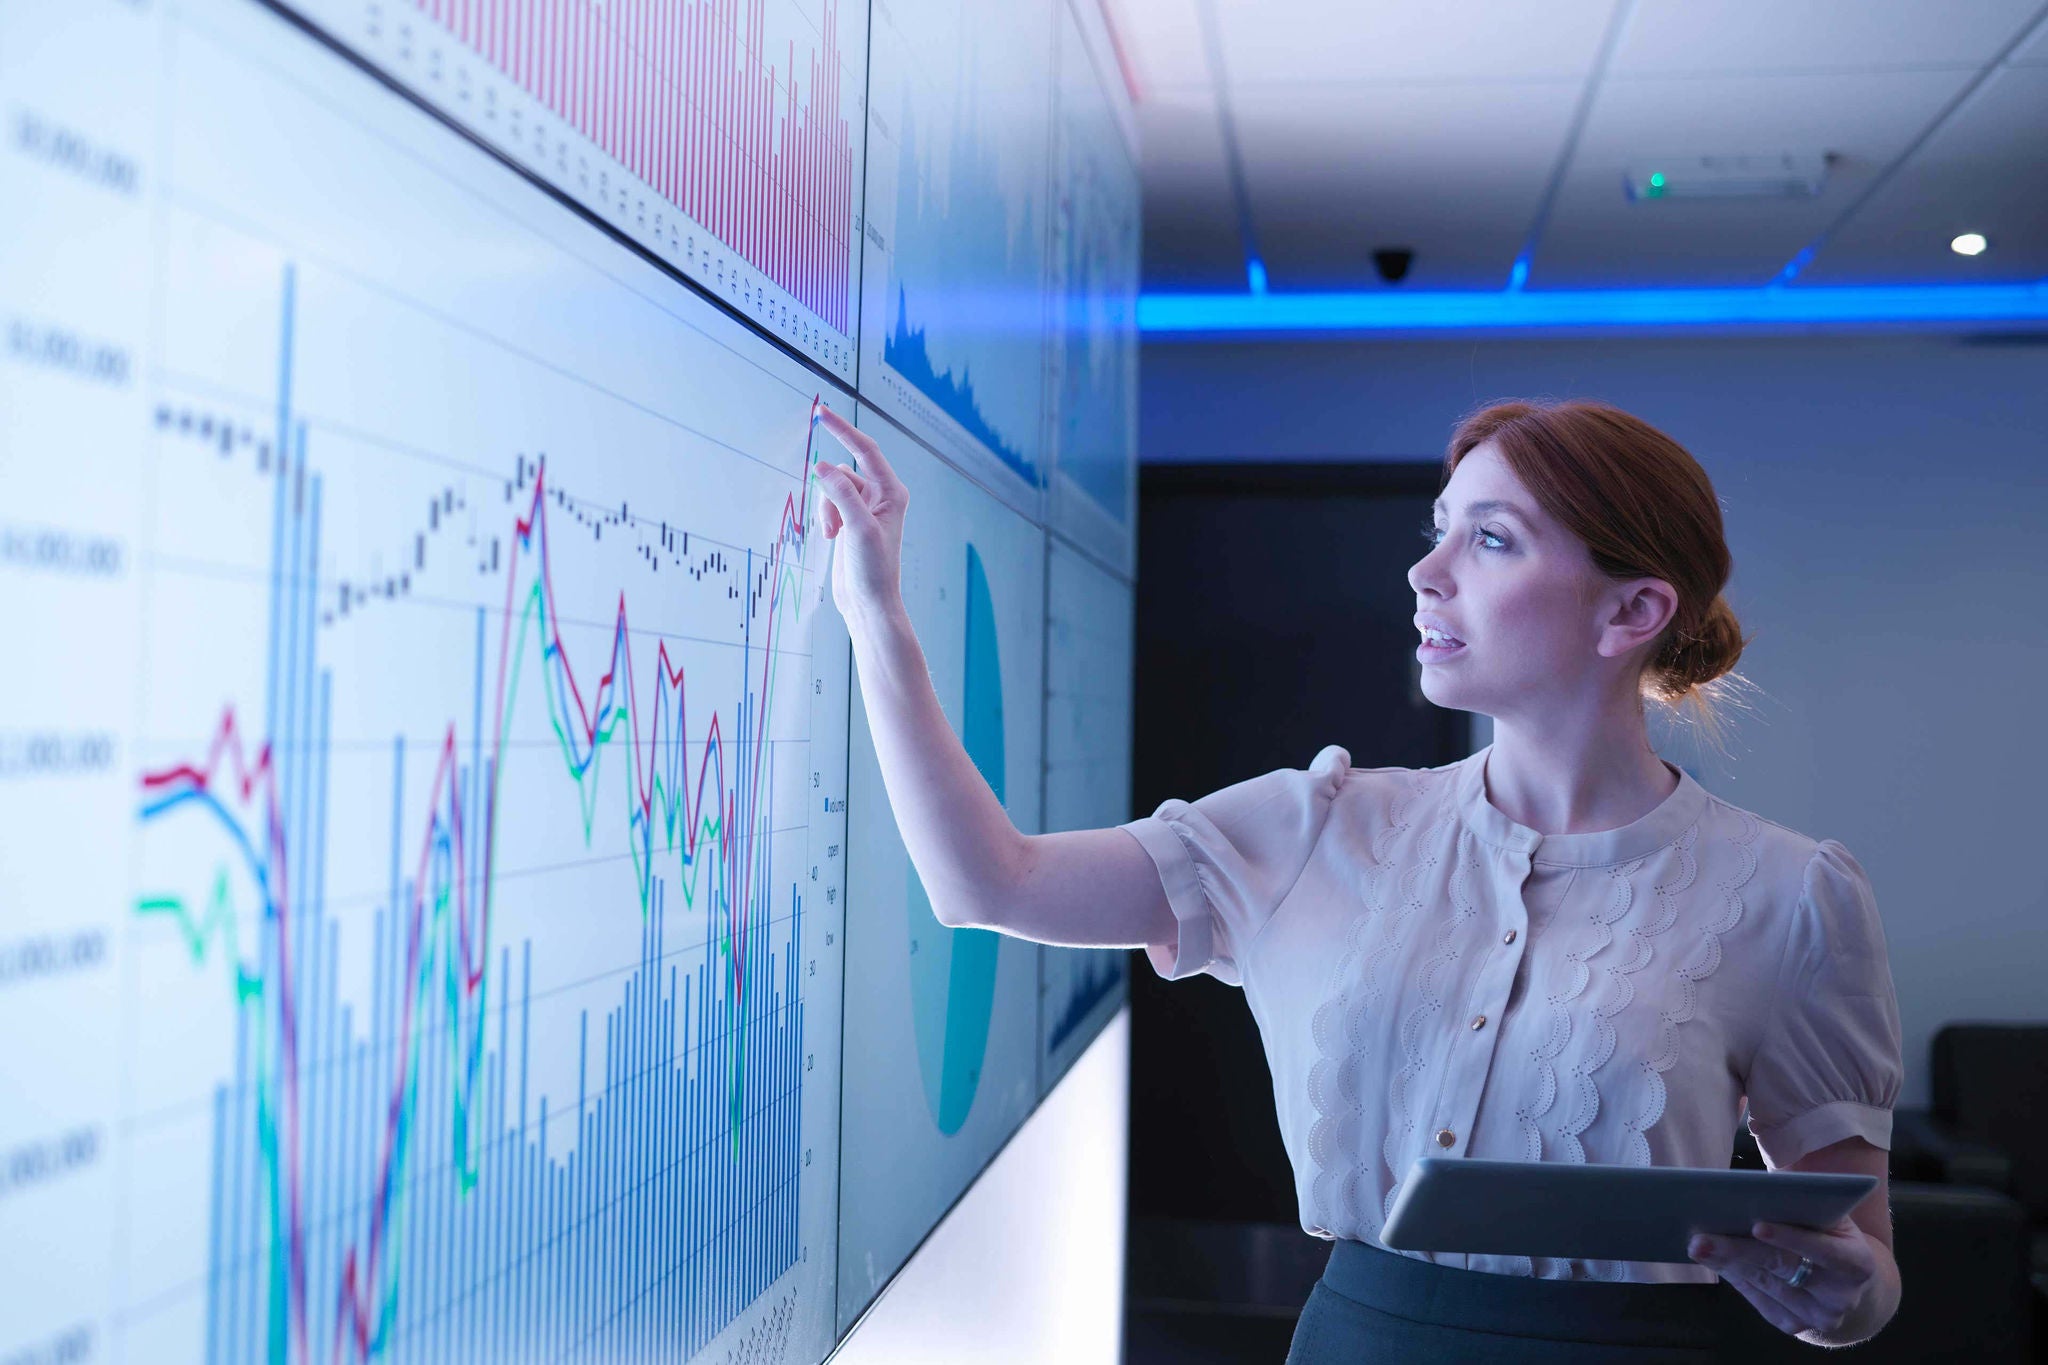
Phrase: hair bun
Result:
[1695,658]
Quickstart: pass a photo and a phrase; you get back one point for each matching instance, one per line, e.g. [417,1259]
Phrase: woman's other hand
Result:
[863,510]
[1835,1296]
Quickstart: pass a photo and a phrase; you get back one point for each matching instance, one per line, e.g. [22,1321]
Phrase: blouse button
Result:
[1510,938]
[1478,1023]
[1445,1137]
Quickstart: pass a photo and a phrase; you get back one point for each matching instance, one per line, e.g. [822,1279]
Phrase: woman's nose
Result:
[1427,573]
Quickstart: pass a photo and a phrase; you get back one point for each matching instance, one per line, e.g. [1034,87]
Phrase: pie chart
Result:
[953,971]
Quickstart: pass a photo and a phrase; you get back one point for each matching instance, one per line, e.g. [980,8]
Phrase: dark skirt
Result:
[1373,1305]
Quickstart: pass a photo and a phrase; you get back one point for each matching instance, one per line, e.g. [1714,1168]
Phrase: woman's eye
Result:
[1432,533]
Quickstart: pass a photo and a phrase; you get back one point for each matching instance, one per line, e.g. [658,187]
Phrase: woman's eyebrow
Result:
[1474,509]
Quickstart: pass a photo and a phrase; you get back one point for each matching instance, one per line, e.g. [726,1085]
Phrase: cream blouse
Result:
[1432,978]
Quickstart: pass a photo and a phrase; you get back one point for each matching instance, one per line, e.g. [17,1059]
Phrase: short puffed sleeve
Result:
[1829,1065]
[1228,859]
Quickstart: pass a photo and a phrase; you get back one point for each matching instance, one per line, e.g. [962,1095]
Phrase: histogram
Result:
[955,277]
[1092,414]
[724,134]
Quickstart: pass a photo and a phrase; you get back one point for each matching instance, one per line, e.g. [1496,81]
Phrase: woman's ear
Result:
[1637,611]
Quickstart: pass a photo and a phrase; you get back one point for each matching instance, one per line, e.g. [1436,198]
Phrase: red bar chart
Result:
[724,134]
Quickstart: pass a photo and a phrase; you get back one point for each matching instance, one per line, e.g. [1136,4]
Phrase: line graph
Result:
[317,1245]
[724,133]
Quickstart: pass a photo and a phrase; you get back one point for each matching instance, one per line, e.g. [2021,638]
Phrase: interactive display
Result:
[473,980]
[953,337]
[1092,408]
[1089,644]
[449,907]
[722,135]
[940,1023]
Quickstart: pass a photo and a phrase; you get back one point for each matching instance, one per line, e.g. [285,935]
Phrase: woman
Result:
[1559,949]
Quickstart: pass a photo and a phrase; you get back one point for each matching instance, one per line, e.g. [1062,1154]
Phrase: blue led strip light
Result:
[1377,311]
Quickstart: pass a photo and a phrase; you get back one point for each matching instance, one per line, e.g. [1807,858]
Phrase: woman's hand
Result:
[867,506]
[1836,1295]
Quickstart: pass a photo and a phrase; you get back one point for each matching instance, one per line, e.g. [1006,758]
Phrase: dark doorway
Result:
[1274,616]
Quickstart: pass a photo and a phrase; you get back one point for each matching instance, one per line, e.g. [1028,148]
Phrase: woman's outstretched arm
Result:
[1084,887]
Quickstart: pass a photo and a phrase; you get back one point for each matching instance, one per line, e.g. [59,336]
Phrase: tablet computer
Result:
[1602,1213]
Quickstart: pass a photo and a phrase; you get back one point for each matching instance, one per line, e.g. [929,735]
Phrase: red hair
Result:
[1644,509]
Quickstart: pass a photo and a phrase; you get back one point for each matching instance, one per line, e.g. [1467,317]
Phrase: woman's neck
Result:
[1575,779]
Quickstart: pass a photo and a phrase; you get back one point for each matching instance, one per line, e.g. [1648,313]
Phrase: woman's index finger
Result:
[849,436]
[867,451]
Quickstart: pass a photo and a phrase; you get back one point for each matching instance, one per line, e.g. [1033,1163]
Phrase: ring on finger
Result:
[1801,1275]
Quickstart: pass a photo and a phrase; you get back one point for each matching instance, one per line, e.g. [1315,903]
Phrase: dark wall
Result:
[1274,617]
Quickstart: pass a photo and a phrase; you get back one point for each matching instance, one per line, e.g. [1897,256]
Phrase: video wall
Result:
[449,907]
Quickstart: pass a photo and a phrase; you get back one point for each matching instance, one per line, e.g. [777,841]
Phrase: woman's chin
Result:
[1442,691]
[1442,688]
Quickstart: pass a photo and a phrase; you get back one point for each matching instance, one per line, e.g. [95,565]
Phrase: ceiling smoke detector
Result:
[1787,175]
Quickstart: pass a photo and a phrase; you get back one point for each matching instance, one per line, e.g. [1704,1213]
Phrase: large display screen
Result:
[445,880]
[954,278]
[941,1023]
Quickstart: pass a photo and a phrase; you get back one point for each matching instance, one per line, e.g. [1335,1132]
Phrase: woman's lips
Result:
[1431,654]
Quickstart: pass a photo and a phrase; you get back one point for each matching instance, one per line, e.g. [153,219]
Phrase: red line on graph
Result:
[230,774]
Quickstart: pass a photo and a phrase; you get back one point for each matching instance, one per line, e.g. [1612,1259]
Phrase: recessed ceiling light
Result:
[1969,244]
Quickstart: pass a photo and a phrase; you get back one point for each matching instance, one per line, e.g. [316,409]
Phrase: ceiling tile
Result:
[1454,173]
[1758,36]
[1181,135]
[1452,40]
[1597,238]
[1163,39]
[1985,170]
[2034,51]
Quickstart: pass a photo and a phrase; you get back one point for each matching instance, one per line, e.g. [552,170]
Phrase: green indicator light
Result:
[1657,180]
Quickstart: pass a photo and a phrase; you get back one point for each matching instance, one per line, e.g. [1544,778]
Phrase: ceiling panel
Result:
[1435,127]
[1758,36]
[1182,137]
[1163,39]
[1190,219]
[1597,238]
[1985,170]
[2034,51]
[1453,172]
[1453,40]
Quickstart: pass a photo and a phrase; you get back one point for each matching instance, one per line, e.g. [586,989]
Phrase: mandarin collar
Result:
[1659,828]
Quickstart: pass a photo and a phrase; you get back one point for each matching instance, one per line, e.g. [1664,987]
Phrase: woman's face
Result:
[1540,624]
